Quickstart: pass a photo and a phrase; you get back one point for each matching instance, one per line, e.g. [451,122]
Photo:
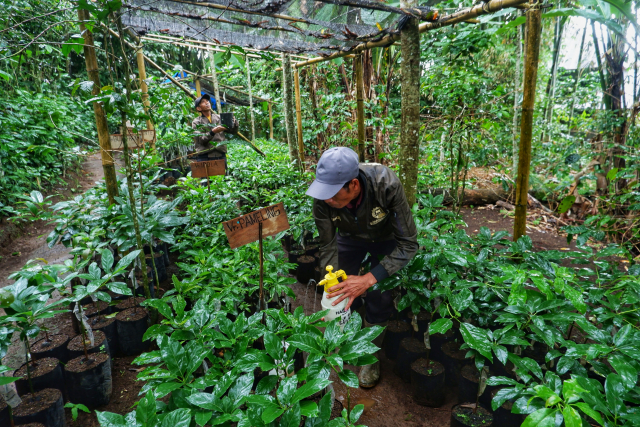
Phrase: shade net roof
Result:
[294,26]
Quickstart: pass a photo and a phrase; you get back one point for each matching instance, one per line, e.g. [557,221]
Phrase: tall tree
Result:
[287,83]
[410,123]
[516,98]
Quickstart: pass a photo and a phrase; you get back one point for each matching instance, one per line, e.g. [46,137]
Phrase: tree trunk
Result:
[410,123]
[287,84]
[357,63]
[516,92]
[108,165]
[532,54]
[578,74]
[313,88]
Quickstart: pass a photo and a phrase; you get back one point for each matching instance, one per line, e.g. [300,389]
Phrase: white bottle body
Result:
[336,311]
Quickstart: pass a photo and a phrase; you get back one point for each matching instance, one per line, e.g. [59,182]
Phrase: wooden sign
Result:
[206,169]
[245,229]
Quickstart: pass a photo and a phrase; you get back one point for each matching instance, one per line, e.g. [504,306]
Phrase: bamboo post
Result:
[142,73]
[410,92]
[270,121]
[253,119]
[287,83]
[517,86]
[198,88]
[532,54]
[299,115]
[108,165]
[357,61]
[216,89]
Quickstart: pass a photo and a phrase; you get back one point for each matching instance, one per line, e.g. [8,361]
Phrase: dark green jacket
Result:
[383,214]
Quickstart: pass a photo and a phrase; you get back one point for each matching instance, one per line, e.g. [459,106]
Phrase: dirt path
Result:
[20,245]
[390,403]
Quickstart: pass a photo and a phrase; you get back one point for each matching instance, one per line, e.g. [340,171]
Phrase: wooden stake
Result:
[270,121]
[357,61]
[198,88]
[299,116]
[532,54]
[108,165]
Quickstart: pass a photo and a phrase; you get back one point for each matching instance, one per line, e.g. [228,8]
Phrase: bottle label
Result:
[344,317]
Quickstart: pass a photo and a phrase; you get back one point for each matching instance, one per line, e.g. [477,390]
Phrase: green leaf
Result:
[274,345]
[566,204]
[311,387]
[106,258]
[119,288]
[109,419]
[625,369]
[309,408]
[5,75]
[308,343]
[354,349]
[477,339]
[126,260]
[611,175]
[202,417]
[541,418]
[584,407]
[271,412]
[571,417]
[292,417]
[267,384]
[178,418]
[356,413]
[440,326]
[349,378]
[456,258]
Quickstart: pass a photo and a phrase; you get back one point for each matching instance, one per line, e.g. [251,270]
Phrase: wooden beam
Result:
[299,115]
[532,55]
[454,18]
[357,61]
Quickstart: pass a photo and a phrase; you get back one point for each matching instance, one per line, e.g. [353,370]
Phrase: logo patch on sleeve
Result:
[378,214]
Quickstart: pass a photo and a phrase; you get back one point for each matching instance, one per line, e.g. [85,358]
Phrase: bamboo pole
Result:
[108,165]
[578,74]
[142,73]
[360,105]
[287,83]
[253,118]
[516,92]
[410,91]
[454,18]
[299,115]
[532,54]
[270,121]
[198,88]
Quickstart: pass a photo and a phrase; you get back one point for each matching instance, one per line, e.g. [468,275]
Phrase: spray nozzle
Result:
[332,279]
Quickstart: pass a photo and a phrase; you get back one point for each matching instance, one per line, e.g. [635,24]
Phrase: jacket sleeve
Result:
[404,231]
[328,235]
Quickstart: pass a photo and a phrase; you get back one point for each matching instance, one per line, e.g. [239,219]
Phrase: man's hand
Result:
[352,288]
[218,129]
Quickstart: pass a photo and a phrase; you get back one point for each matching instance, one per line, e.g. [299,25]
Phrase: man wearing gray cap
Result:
[361,208]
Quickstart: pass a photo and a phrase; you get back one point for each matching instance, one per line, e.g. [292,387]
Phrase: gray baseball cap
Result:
[337,166]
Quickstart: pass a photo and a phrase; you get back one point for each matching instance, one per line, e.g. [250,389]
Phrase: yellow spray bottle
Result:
[335,311]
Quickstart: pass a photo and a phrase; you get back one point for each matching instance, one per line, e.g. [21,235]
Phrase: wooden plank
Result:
[207,169]
[245,229]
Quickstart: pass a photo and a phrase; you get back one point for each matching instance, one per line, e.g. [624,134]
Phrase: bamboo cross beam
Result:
[454,18]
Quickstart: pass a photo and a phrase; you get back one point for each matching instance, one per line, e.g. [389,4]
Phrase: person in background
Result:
[209,133]
[361,208]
